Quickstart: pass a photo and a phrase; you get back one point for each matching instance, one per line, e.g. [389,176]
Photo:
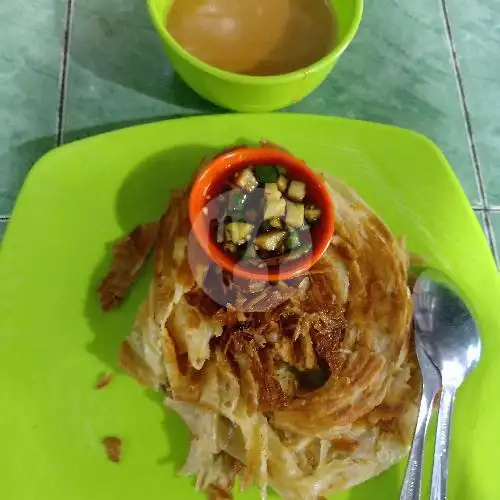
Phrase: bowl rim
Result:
[319,65]
[230,161]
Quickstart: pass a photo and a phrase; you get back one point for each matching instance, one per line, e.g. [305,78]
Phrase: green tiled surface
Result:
[118,71]
[495,223]
[480,218]
[480,214]
[385,76]
[476,33]
[399,70]
[3,226]
[31,36]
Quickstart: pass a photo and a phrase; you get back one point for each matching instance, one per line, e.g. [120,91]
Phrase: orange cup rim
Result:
[228,163]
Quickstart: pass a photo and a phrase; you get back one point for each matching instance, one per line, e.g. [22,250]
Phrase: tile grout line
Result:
[63,75]
[491,210]
[488,229]
[492,237]
[465,107]
[468,126]
[63,78]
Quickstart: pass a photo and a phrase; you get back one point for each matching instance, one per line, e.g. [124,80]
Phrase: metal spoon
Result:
[450,338]
[431,382]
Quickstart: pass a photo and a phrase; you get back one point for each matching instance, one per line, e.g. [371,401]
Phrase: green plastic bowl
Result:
[255,94]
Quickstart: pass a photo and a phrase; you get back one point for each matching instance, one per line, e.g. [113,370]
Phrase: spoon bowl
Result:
[446,327]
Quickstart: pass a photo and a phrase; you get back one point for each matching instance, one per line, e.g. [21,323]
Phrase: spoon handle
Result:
[442,448]
[413,477]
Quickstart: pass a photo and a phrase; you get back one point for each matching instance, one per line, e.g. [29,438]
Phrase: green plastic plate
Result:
[55,342]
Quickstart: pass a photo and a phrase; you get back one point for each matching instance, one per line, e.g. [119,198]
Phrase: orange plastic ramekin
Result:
[213,180]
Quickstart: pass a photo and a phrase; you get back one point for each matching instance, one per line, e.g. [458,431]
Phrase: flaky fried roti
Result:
[309,388]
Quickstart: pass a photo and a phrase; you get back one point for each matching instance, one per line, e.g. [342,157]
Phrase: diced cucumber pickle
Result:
[246,180]
[293,240]
[281,207]
[276,223]
[282,183]
[271,241]
[294,214]
[296,191]
[238,232]
[271,191]
[312,213]
[274,208]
